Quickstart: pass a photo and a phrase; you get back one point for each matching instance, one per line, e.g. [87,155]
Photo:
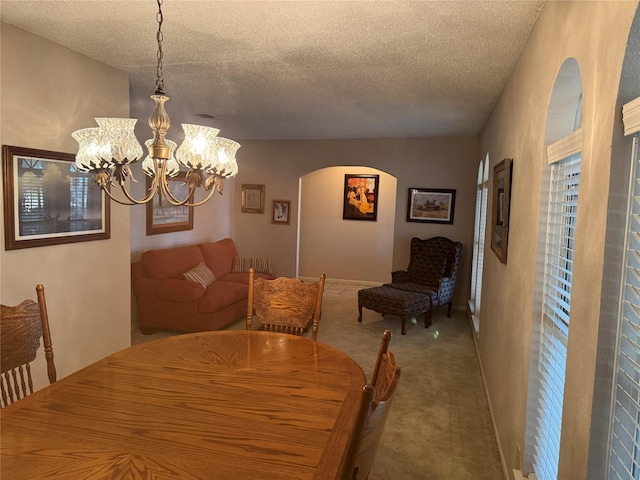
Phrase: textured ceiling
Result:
[302,69]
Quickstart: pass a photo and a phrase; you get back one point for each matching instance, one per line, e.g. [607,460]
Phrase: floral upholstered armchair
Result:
[432,270]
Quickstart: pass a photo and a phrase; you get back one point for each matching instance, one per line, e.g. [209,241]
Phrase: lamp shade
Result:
[198,150]
[88,157]
[226,166]
[117,140]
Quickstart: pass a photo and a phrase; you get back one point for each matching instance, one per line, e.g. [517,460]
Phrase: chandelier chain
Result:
[159,38]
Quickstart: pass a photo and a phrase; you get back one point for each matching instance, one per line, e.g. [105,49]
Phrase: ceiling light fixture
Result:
[110,148]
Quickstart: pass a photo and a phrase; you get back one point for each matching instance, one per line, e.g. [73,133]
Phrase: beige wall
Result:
[326,240]
[47,92]
[449,162]
[516,129]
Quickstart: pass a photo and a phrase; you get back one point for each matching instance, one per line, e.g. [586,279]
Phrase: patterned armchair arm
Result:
[400,276]
[445,290]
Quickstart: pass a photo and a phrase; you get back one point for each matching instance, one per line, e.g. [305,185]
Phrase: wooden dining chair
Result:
[385,380]
[285,305]
[21,328]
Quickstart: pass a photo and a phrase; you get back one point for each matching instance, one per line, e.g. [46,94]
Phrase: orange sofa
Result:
[167,300]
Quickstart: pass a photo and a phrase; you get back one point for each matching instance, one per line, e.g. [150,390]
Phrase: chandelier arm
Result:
[202,202]
[172,199]
[133,201]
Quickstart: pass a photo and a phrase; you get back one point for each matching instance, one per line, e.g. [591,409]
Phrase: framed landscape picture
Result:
[360,200]
[431,205]
[49,201]
[162,216]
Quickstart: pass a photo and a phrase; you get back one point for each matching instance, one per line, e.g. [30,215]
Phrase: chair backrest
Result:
[21,328]
[385,380]
[285,305]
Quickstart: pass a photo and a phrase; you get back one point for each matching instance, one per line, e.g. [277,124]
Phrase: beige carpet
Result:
[439,425]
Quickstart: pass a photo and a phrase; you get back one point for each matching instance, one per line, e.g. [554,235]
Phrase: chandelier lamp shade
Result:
[109,149]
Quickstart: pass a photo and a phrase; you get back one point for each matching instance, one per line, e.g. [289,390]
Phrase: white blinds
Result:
[624,455]
[561,221]
[482,192]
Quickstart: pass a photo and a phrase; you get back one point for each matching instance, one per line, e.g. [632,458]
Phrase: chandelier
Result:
[109,149]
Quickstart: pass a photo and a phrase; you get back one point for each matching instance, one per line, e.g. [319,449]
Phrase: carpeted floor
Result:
[439,426]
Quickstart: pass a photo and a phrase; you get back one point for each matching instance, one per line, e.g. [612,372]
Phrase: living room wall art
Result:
[360,201]
[500,208]
[252,198]
[431,205]
[281,209]
[162,216]
[48,201]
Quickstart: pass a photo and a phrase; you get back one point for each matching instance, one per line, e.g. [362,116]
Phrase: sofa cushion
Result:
[171,262]
[221,294]
[201,274]
[219,255]
[259,264]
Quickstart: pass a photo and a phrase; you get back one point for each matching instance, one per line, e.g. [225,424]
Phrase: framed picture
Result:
[431,205]
[252,198]
[360,200]
[500,208]
[281,209]
[48,201]
[162,216]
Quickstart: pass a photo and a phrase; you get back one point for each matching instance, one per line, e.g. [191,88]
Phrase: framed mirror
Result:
[500,208]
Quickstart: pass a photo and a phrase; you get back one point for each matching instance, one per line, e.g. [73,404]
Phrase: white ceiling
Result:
[302,69]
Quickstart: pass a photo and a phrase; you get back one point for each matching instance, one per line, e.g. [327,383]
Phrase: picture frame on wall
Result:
[431,205]
[501,204]
[49,201]
[281,211]
[360,200]
[252,198]
[164,217]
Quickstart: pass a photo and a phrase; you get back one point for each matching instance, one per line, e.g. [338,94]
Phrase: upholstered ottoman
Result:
[392,301]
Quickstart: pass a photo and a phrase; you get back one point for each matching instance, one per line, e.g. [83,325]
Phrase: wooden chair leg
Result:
[404,324]
[449,305]
[427,319]
[359,312]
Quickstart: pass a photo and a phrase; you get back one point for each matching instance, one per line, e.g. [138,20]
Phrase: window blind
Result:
[561,221]
[624,454]
[482,191]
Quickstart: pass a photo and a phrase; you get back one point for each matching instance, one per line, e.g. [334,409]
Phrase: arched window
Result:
[482,191]
[552,310]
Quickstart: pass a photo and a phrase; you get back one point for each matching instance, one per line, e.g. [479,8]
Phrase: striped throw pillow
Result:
[201,274]
[259,264]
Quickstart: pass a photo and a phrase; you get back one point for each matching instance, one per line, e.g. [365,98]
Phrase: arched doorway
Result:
[348,251]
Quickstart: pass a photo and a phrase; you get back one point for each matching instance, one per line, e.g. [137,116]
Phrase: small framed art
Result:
[431,205]
[281,209]
[252,198]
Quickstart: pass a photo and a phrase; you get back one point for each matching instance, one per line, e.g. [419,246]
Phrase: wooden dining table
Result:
[215,405]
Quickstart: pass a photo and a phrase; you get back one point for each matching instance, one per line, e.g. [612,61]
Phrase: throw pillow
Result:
[259,264]
[201,274]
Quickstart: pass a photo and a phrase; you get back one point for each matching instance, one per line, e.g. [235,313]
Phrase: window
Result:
[624,454]
[482,192]
[554,322]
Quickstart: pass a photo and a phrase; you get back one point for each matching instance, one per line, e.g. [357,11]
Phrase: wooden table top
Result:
[215,405]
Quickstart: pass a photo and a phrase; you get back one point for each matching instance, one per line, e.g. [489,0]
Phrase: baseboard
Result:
[364,283]
[505,470]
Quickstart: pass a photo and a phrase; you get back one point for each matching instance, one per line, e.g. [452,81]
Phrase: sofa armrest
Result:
[400,276]
[173,289]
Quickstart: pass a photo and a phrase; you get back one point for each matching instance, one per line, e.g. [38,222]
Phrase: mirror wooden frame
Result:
[501,204]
